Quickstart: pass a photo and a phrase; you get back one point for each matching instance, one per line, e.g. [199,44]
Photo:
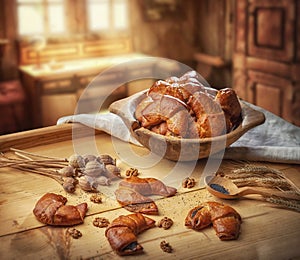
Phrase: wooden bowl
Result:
[182,149]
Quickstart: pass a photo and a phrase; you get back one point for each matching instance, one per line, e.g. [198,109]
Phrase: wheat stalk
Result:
[33,163]
[284,203]
[262,176]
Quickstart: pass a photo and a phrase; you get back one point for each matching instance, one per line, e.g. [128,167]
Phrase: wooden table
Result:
[266,232]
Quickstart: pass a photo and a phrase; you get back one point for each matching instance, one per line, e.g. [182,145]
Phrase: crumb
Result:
[74,233]
[166,247]
[165,223]
[96,198]
[188,183]
[100,222]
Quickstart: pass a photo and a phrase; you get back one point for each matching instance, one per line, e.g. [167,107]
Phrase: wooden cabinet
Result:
[52,97]
[83,86]
[266,59]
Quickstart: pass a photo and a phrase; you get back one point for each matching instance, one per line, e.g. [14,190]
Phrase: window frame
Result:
[44,4]
[77,24]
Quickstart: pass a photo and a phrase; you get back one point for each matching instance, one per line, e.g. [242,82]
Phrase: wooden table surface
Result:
[266,232]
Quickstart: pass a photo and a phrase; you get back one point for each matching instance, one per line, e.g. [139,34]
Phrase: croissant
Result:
[148,186]
[183,107]
[51,209]
[230,104]
[181,88]
[122,233]
[132,193]
[135,202]
[225,220]
[159,108]
[210,118]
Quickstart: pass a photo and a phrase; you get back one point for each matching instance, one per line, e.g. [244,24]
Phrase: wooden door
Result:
[266,58]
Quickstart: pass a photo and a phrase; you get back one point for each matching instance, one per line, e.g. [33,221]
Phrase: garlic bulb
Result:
[87,184]
[76,161]
[94,169]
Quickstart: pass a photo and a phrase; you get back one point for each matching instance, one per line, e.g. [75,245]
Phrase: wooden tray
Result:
[180,149]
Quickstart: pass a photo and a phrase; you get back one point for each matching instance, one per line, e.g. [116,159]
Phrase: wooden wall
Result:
[172,36]
[214,37]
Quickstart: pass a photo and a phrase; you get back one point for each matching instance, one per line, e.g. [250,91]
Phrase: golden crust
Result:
[225,220]
[183,107]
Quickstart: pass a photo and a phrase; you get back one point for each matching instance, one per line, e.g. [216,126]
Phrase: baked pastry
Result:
[183,107]
[135,202]
[225,220]
[51,209]
[122,233]
[133,191]
[230,105]
[148,186]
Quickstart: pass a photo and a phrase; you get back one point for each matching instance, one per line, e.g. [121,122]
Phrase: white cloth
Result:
[276,140]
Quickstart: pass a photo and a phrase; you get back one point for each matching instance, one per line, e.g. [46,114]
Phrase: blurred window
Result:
[41,17]
[52,17]
[107,15]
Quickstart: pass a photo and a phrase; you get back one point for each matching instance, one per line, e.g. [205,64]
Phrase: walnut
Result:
[165,223]
[188,183]
[100,222]
[73,232]
[96,198]
[132,172]
[166,247]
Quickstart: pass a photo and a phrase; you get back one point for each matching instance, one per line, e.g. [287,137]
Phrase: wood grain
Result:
[42,136]
[267,233]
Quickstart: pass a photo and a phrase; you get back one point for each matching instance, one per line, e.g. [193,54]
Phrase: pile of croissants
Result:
[185,108]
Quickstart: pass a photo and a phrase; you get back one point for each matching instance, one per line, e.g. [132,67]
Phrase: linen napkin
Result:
[276,140]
